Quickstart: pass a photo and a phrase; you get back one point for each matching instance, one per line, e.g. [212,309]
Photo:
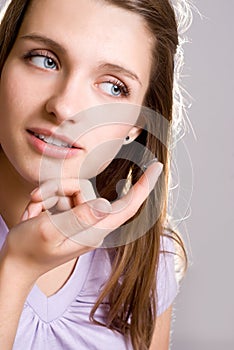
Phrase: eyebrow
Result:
[57,47]
[119,69]
[44,40]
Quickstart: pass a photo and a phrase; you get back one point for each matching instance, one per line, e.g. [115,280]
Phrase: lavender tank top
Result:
[61,321]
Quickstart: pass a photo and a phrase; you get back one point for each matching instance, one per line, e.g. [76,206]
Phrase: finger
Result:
[89,223]
[32,210]
[131,202]
[53,204]
[49,196]
[82,189]
[55,187]
[81,218]
[124,208]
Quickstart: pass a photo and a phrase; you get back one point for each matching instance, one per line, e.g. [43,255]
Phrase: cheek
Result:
[18,93]
[108,133]
[108,122]
[9,105]
[104,144]
[11,94]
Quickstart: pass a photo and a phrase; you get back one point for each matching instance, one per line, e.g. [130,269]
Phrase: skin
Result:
[31,96]
[81,73]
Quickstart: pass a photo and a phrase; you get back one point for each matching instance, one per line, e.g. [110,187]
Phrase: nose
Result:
[66,101]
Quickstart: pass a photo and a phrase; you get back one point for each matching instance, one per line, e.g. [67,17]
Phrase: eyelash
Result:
[125,91]
[40,53]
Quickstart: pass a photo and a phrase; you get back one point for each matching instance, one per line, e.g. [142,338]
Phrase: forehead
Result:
[75,13]
[110,30]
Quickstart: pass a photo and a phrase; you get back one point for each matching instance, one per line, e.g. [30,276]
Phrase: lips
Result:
[53,141]
[53,145]
[51,138]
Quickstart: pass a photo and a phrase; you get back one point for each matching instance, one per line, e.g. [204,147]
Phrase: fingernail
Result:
[25,215]
[155,160]
[101,207]
[154,174]
[34,191]
[159,169]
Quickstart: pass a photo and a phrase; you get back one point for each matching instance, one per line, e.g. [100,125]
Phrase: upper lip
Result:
[60,137]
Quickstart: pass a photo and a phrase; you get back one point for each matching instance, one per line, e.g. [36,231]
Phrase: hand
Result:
[45,241]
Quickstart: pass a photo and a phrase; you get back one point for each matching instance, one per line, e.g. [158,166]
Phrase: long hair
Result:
[132,287]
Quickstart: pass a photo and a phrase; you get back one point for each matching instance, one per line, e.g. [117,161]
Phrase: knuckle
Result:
[87,190]
[84,217]
[44,228]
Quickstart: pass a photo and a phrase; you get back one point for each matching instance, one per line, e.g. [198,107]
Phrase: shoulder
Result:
[167,281]
[167,285]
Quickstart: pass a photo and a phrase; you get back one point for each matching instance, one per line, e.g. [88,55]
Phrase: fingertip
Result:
[100,207]
[154,167]
[34,209]
[25,216]
[34,191]
[153,164]
[159,169]
[36,195]
[152,173]
[152,161]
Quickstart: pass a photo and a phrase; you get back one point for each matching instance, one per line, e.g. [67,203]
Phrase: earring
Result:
[128,183]
[127,140]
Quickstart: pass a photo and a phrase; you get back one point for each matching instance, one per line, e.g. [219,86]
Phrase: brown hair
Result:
[131,288]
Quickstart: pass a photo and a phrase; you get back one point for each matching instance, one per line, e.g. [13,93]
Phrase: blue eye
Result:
[41,59]
[44,62]
[114,89]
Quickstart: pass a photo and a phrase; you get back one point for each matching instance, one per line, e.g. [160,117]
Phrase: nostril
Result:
[60,111]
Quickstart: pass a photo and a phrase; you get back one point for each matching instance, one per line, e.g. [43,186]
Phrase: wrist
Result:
[14,272]
[15,286]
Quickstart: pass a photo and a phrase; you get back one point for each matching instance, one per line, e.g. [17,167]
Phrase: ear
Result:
[132,135]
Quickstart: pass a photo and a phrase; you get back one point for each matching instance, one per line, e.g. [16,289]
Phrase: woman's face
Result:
[69,57]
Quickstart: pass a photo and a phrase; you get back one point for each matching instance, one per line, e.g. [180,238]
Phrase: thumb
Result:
[80,218]
[100,207]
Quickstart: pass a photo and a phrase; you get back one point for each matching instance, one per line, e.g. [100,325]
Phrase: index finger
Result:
[64,187]
[124,208]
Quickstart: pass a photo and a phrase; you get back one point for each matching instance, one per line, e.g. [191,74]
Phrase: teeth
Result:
[53,141]
[41,137]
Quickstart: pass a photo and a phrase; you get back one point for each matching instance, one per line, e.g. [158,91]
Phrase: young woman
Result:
[66,67]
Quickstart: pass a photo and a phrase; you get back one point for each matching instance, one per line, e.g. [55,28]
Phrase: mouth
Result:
[53,140]
[53,145]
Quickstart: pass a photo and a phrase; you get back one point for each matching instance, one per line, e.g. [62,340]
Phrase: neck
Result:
[14,192]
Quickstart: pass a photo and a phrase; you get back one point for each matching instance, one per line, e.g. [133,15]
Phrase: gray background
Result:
[204,308]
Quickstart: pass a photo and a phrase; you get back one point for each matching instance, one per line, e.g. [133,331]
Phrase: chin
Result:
[30,178]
